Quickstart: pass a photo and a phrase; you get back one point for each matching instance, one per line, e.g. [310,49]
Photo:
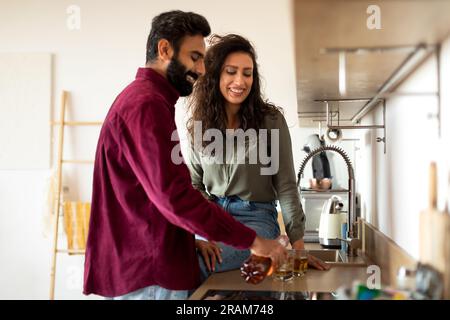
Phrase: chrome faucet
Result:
[352,233]
[352,244]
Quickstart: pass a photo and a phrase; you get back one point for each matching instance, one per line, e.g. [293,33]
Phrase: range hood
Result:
[324,29]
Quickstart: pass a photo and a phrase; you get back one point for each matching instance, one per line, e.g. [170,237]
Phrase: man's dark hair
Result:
[174,26]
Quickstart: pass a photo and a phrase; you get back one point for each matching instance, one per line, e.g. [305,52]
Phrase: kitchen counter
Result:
[313,281]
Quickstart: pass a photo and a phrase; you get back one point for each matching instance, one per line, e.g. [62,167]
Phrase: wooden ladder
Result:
[57,199]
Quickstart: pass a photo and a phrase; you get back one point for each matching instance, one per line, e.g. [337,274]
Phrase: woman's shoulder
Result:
[274,119]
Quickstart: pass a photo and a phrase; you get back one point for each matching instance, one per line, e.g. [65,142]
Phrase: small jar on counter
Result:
[406,279]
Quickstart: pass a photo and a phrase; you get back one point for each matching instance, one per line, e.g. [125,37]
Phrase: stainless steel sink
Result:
[327,255]
[334,256]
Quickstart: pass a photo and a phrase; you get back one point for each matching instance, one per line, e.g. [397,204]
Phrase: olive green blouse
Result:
[246,179]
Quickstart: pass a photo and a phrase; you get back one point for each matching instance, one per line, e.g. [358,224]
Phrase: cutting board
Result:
[435,235]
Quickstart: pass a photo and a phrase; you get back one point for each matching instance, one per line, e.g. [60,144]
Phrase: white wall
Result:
[397,186]
[444,154]
[94,64]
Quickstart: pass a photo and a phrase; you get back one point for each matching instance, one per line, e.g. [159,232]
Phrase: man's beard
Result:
[177,75]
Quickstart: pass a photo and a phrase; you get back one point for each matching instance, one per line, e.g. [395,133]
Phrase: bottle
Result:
[256,268]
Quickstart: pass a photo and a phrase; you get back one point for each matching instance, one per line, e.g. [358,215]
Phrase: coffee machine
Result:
[331,220]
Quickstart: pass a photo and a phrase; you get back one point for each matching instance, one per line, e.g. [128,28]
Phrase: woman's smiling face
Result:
[236,78]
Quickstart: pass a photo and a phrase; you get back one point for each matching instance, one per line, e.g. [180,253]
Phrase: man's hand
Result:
[269,248]
[210,252]
[314,262]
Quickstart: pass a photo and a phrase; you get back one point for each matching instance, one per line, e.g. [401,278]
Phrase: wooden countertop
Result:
[314,280]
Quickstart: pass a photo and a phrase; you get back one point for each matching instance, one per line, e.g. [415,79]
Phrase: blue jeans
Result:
[259,216]
[154,293]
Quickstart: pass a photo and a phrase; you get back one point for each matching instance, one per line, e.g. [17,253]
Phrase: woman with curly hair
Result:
[228,99]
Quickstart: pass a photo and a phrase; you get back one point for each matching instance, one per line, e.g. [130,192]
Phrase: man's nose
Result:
[200,68]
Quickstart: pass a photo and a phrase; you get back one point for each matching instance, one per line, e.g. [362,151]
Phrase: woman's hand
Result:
[210,252]
[317,263]
[314,262]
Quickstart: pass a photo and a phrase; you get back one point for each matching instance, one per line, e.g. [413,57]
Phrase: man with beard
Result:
[144,208]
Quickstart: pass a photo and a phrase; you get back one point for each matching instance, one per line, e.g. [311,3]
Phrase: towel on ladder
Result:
[76,223]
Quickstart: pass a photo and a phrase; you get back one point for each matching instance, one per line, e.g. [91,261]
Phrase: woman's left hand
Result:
[314,262]
[210,252]
[317,263]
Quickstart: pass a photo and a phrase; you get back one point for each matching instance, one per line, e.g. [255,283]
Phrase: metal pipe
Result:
[365,50]
[357,127]
[351,208]
[342,74]
[328,114]
[385,95]
[343,100]
[399,74]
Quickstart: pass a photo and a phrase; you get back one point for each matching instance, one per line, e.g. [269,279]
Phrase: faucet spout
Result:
[353,245]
